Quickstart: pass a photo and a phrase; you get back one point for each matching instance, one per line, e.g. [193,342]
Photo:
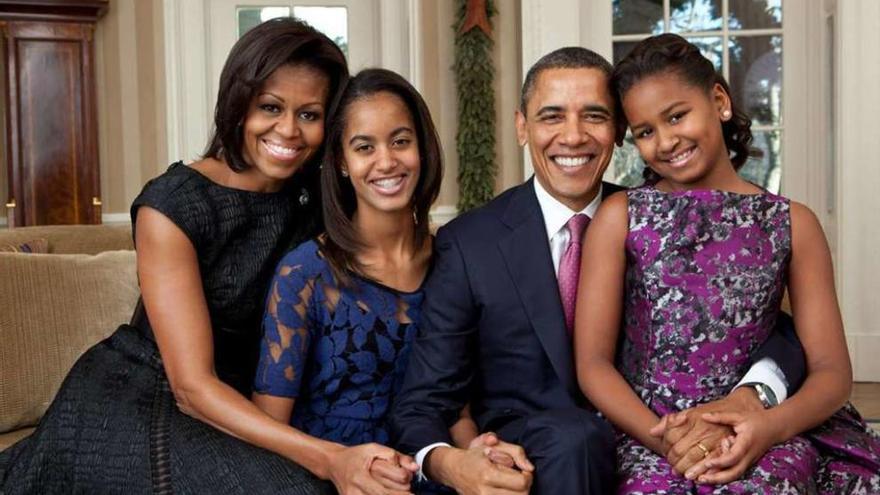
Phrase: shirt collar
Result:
[556,214]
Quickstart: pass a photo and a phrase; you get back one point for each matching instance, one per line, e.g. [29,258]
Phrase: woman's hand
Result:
[394,476]
[351,470]
[681,432]
[755,435]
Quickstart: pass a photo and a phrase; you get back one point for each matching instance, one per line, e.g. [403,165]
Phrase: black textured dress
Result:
[114,426]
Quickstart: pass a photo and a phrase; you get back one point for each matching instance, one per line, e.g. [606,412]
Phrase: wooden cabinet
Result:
[51,126]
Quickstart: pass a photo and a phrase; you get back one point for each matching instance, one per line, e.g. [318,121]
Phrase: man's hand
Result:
[685,434]
[472,472]
[501,455]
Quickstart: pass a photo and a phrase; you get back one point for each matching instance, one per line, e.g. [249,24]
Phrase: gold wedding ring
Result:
[702,447]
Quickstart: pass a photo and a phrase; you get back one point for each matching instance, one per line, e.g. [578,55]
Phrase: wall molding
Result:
[116,218]
[187,108]
[106,218]
[443,214]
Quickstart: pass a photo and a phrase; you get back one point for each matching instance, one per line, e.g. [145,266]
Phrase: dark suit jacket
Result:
[492,330]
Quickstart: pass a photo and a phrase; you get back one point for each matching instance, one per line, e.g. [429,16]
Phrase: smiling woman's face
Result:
[381,153]
[284,126]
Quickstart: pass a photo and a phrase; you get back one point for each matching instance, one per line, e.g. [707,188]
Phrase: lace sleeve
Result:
[286,337]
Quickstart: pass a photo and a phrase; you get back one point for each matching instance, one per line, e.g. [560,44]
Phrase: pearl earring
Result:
[344,173]
[725,114]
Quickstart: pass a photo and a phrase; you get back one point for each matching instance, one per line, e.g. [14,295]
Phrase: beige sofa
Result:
[55,306]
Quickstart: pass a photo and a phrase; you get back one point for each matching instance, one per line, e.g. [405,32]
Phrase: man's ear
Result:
[522,135]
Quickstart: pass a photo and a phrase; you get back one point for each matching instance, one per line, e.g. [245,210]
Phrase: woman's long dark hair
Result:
[252,60]
[671,53]
[342,241]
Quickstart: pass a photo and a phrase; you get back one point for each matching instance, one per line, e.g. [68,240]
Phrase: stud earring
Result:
[344,173]
[725,114]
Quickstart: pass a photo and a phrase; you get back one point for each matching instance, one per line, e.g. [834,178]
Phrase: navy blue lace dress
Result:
[340,351]
[114,426]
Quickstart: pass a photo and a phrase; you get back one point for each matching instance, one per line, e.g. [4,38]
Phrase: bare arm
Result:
[174,299]
[819,327]
[597,324]
[279,408]
[464,430]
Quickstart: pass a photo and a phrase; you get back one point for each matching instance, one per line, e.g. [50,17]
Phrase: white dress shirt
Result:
[556,216]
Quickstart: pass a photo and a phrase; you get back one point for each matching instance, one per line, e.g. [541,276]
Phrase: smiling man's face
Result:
[569,127]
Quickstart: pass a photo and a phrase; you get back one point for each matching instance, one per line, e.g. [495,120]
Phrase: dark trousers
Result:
[573,451]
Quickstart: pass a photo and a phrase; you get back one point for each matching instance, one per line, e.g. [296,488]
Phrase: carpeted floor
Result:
[866,398]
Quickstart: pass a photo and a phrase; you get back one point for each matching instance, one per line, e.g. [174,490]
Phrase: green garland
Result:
[475,140]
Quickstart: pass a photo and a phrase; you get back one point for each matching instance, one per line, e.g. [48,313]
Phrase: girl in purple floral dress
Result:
[693,267]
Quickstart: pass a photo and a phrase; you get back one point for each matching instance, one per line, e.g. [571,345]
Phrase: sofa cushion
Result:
[32,246]
[9,439]
[52,308]
[69,239]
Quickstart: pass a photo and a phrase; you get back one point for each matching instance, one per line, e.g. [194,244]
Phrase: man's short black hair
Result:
[569,57]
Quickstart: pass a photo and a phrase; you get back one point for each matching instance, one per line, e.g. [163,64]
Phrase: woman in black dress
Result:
[161,405]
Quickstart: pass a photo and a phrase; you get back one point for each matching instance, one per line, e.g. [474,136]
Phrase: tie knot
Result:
[576,226]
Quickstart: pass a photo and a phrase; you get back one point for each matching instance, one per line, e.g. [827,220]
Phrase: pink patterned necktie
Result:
[570,267]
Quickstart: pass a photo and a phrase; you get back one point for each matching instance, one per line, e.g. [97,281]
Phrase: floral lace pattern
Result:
[340,351]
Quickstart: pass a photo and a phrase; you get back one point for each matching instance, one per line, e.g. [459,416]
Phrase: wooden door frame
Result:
[57,20]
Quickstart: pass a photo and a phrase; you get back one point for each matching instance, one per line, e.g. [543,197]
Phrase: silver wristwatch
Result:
[765,394]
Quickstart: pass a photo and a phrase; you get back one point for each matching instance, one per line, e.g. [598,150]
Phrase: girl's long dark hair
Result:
[342,241]
[672,53]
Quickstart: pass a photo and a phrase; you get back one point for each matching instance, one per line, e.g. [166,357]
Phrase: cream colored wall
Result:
[131,103]
[438,89]
[858,179]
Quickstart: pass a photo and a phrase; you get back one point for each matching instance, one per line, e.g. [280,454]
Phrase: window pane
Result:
[765,171]
[622,48]
[638,16]
[756,77]
[755,14]
[627,166]
[332,21]
[711,49]
[694,15]
[249,17]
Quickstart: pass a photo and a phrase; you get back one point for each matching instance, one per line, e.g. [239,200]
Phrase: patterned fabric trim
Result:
[33,246]
[160,465]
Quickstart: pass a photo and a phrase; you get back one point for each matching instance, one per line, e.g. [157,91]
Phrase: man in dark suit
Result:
[495,332]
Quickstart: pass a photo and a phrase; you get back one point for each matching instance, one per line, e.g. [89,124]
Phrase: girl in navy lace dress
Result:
[344,308]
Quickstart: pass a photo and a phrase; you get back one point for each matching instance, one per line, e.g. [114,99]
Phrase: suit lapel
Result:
[526,252]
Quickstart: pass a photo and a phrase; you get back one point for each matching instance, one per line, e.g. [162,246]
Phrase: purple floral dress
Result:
[706,271]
